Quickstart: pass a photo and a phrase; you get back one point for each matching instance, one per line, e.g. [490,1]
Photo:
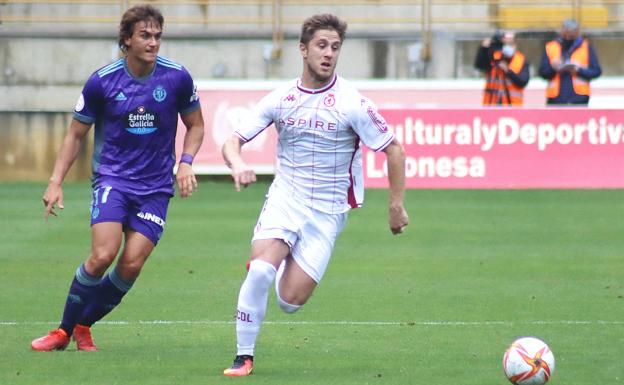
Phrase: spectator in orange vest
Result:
[569,63]
[506,70]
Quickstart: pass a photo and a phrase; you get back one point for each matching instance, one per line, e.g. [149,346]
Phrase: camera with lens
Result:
[496,47]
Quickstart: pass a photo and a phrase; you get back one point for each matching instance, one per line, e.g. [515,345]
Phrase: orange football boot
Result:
[82,336]
[55,340]
[242,366]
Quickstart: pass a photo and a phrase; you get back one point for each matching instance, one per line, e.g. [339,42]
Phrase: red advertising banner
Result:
[223,111]
[506,148]
[467,147]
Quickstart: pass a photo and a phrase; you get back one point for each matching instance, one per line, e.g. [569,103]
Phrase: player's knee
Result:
[130,270]
[290,299]
[99,261]
[287,307]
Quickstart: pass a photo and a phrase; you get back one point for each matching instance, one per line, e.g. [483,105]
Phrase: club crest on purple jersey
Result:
[159,93]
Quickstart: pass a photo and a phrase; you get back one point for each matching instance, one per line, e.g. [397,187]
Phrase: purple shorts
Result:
[145,214]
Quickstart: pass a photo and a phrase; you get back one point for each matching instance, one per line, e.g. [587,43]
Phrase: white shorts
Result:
[309,233]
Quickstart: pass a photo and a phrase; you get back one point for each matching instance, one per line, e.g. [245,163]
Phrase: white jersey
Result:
[319,160]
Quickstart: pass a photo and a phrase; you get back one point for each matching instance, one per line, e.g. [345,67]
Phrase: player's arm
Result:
[372,129]
[241,172]
[65,159]
[397,216]
[194,123]
[262,118]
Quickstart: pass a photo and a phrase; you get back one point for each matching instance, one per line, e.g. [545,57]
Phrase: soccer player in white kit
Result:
[321,120]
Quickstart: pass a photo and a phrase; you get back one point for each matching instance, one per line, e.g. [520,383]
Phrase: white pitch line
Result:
[337,323]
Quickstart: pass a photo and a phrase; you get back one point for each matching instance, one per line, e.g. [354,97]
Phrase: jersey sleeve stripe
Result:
[241,136]
[164,59]
[386,143]
[83,118]
[258,133]
[190,109]
[110,66]
[168,63]
[103,72]
[169,66]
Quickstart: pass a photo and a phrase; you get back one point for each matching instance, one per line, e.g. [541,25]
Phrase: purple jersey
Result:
[135,124]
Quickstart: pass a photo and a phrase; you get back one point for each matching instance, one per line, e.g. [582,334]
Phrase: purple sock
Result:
[109,293]
[81,291]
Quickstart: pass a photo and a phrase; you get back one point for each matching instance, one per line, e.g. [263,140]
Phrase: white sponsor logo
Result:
[431,167]
[194,97]
[80,103]
[507,131]
[144,120]
[377,119]
[152,218]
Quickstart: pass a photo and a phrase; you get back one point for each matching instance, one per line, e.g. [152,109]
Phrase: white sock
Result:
[252,304]
[287,307]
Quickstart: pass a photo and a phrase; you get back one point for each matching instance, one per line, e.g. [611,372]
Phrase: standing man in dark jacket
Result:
[569,63]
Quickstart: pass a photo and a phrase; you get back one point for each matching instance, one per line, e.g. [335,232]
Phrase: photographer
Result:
[506,70]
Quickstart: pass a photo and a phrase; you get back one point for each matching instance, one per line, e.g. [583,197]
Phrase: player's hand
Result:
[52,195]
[502,65]
[243,176]
[398,219]
[187,183]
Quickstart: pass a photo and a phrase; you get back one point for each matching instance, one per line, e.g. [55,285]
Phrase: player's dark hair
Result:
[135,14]
[322,21]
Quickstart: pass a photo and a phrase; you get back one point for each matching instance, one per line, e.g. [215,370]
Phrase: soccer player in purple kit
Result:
[134,104]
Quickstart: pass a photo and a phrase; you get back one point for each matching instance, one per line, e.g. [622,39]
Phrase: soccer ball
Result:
[528,361]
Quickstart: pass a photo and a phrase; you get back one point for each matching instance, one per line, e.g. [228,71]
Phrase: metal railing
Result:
[277,17]
[440,13]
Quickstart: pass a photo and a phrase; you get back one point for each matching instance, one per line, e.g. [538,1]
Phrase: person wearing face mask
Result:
[569,63]
[506,70]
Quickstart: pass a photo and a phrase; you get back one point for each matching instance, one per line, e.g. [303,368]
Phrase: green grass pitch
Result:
[437,305]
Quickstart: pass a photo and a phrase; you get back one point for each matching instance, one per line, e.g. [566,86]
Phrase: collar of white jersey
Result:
[318,90]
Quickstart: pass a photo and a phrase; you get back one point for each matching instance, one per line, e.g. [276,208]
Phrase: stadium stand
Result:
[407,40]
